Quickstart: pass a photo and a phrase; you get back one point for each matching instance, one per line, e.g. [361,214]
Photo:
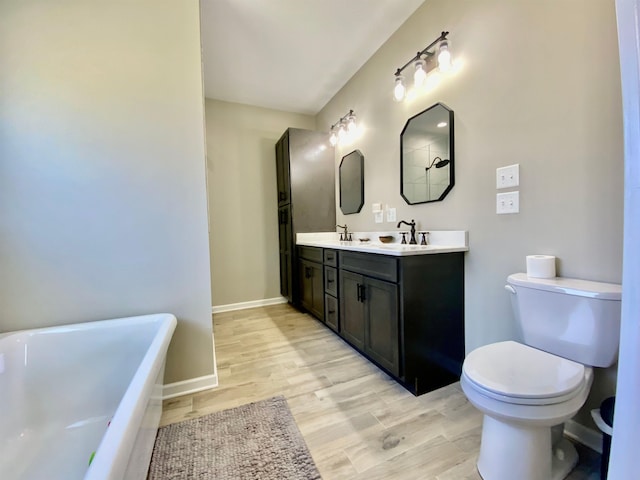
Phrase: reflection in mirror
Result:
[426,156]
[352,182]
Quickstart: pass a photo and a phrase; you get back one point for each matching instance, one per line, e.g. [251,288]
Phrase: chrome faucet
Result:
[344,236]
[413,230]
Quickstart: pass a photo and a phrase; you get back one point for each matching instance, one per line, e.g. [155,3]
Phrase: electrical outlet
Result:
[391,214]
[508,176]
[507,203]
[378,216]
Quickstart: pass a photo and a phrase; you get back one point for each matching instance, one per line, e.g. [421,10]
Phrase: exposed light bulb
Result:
[444,57]
[351,124]
[342,130]
[333,138]
[399,91]
[420,75]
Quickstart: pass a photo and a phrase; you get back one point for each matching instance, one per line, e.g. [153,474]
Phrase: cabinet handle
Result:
[362,296]
[359,293]
[331,312]
[330,281]
[307,272]
[282,196]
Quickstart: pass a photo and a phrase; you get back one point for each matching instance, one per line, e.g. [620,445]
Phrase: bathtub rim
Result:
[113,452]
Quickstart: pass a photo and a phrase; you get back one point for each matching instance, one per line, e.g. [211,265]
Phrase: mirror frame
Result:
[451,155]
[358,156]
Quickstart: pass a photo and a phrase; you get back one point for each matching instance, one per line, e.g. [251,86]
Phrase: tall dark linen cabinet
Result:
[306,197]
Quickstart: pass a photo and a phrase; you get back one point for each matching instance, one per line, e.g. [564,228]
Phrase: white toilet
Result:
[524,390]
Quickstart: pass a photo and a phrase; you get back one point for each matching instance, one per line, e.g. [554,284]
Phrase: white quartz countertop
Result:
[439,242]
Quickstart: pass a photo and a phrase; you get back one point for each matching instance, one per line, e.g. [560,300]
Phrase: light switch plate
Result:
[508,176]
[391,214]
[508,202]
[378,216]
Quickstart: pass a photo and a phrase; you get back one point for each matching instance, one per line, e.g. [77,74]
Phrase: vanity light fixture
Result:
[343,128]
[424,63]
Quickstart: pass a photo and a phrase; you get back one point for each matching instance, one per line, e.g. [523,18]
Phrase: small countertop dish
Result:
[439,242]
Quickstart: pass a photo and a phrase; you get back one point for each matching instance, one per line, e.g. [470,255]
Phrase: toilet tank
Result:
[575,319]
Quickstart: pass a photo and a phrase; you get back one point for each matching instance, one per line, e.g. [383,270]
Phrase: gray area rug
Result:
[256,441]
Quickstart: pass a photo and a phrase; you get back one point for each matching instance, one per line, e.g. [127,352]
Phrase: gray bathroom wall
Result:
[538,84]
[243,206]
[103,209]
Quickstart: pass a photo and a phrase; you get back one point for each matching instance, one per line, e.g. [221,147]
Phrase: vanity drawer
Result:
[330,257]
[310,253]
[331,312]
[372,265]
[331,281]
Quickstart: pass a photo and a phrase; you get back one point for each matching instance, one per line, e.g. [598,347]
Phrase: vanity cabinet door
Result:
[381,334]
[352,320]
[312,288]
[282,170]
[286,250]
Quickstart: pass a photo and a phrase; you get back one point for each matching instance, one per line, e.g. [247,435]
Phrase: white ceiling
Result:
[292,55]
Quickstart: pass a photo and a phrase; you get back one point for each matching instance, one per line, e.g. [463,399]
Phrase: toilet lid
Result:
[518,371]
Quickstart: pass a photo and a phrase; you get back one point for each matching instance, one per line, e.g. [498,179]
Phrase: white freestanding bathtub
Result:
[69,391]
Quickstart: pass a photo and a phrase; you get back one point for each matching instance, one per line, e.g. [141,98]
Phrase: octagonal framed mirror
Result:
[351,179]
[427,156]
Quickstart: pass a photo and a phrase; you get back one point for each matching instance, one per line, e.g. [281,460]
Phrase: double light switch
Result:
[507,177]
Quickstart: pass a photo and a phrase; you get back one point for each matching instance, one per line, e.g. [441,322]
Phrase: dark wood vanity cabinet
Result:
[305,174]
[406,314]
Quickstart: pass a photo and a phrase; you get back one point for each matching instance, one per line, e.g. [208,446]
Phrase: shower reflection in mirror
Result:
[427,156]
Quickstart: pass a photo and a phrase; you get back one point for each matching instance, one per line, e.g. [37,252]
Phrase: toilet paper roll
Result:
[541,266]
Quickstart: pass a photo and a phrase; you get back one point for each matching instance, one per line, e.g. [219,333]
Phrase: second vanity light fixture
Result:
[343,128]
[424,65]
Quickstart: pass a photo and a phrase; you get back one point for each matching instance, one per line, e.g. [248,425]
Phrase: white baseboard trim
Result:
[192,385]
[584,435]
[244,305]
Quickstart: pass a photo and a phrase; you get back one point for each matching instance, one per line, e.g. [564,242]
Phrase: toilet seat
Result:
[515,373]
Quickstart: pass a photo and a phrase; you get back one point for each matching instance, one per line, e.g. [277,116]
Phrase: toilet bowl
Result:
[523,392]
[527,390]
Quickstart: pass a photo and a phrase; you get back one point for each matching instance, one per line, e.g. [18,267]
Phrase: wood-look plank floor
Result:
[358,422]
